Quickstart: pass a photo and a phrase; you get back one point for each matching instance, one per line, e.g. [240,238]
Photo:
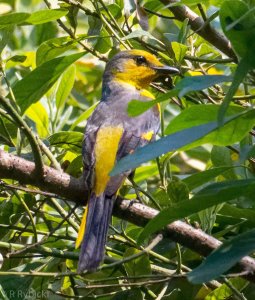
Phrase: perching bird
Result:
[111,134]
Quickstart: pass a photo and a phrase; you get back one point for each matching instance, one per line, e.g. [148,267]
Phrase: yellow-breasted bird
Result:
[111,134]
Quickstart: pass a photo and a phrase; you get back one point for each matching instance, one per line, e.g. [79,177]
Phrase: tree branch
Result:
[62,184]
[53,181]
[197,24]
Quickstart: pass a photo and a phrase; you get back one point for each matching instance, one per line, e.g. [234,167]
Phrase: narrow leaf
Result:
[198,179]
[202,114]
[13,19]
[69,140]
[166,144]
[171,142]
[33,86]
[241,71]
[223,258]
[53,48]
[213,194]
[138,33]
[44,16]
[198,83]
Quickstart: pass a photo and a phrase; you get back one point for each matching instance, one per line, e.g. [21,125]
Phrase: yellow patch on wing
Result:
[82,229]
[106,147]
[147,135]
[147,93]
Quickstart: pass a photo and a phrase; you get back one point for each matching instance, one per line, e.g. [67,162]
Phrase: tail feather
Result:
[102,235]
[98,216]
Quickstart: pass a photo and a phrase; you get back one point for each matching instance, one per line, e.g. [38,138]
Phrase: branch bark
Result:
[197,24]
[62,184]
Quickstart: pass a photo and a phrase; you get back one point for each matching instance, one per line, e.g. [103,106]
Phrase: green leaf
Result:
[175,141]
[225,292]
[43,32]
[177,190]
[221,156]
[18,58]
[134,293]
[33,86]
[202,114]
[65,86]
[238,24]
[198,83]
[15,286]
[139,33]
[5,36]
[38,114]
[53,48]
[166,144]
[44,16]
[201,178]
[13,19]
[69,140]
[115,10]
[184,86]
[179,50]
[211,195]
[75,167]
[138,266]
[3,295]
[224,257]
[241,71]
[240,213]
[104,42]
[84,116]
[144,172]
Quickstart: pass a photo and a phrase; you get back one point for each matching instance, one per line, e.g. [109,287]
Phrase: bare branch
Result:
[53,181]
[218,40]
[74,189]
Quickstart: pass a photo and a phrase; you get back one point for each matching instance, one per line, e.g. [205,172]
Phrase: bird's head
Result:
[136,67]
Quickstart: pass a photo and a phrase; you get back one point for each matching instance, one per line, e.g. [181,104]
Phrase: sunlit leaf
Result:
[69,140]
[53,48]
[13,19]
[44,16]
[38,114]
[65,86]
[33,86]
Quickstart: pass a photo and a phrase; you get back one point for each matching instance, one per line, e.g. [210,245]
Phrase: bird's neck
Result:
[116,85]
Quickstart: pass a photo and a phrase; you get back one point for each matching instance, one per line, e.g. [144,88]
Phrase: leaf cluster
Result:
[200,169]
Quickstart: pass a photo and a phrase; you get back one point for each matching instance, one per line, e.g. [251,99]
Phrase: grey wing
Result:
[88,154]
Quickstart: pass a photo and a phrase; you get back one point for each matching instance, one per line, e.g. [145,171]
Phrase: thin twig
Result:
[154,242]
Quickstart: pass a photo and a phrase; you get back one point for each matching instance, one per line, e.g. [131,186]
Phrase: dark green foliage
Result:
[199,170]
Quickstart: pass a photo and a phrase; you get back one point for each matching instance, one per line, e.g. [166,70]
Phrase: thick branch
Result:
[197,24]
[64,185]
[53,181]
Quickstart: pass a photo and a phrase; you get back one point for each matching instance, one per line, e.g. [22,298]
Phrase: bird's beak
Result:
[166,70]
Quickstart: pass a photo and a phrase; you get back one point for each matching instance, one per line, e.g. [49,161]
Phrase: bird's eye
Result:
[140,60]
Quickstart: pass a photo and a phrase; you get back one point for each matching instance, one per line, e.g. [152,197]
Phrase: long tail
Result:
[95,225]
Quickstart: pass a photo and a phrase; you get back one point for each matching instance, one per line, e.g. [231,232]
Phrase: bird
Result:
[111,134]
